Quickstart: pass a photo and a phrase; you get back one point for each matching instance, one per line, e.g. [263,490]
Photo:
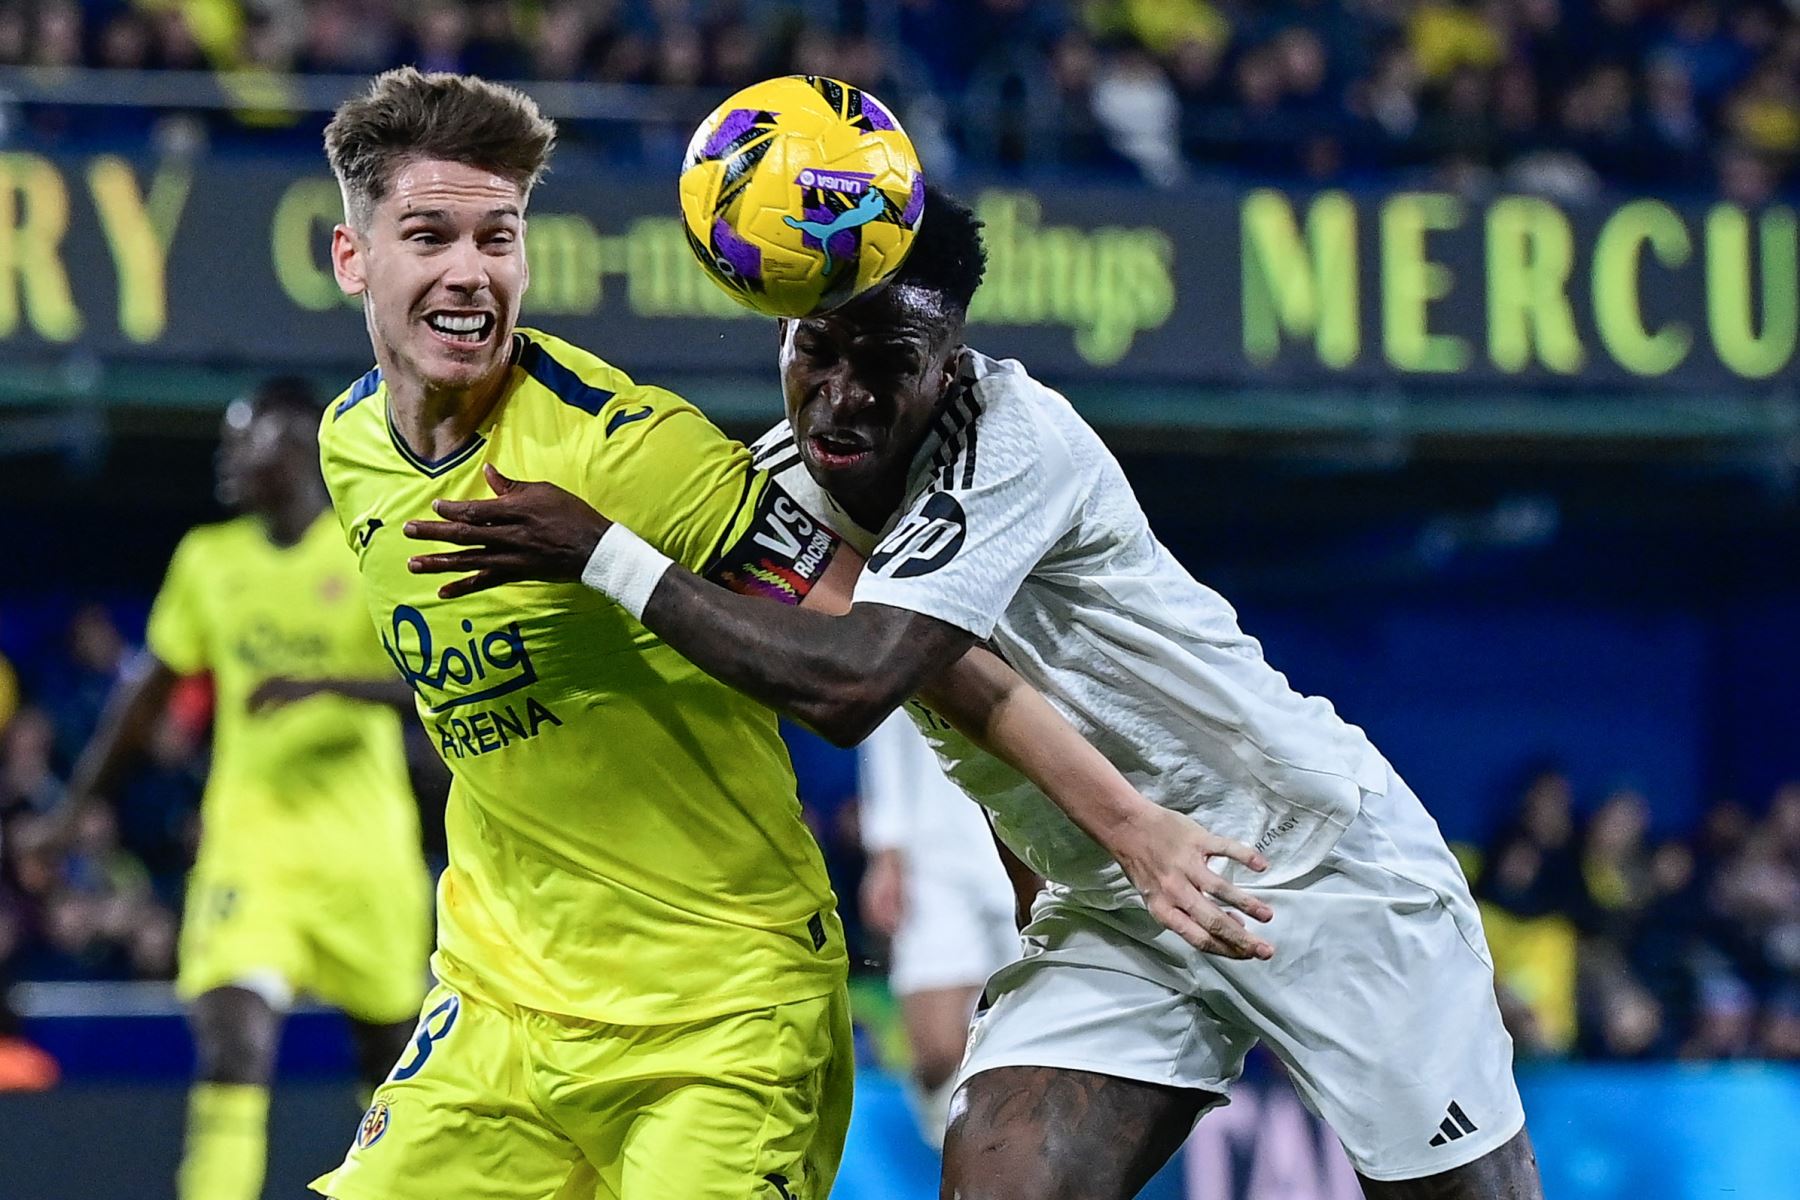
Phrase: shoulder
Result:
[1005,394]
[593,392]
[580,380]
[1003,421]
[349,416]
[210,542]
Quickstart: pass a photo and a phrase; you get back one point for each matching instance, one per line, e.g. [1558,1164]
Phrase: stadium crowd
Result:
[1610,943]
[1694,97]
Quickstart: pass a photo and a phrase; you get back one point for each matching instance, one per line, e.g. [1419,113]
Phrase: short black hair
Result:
[293,395]
[947,257]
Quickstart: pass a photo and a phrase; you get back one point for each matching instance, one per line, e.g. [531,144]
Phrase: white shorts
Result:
[1379,1000]
[957,930]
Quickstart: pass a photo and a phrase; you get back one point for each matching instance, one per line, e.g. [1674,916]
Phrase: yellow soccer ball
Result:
[800,193]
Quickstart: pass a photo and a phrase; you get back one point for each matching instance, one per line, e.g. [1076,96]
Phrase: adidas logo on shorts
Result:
[1455,1125]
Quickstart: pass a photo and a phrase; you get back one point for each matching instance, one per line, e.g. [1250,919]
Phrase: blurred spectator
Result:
[75,694]
[441,39]
[1765,113]
[339,38]
[1138,108]
[57,37]
[1446,36]
[1693,96]
[28,783]
[496,49]
[1529,892]
[15,35]
[1676,949]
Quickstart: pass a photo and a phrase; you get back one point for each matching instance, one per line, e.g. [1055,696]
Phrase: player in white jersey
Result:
[991,512]
[936,888]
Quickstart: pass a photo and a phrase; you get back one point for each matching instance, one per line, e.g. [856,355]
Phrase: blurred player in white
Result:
[936,888]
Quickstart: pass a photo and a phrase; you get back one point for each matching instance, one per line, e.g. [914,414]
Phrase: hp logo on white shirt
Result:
[924,541]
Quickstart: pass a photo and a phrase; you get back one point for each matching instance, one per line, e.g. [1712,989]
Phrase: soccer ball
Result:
[799,194]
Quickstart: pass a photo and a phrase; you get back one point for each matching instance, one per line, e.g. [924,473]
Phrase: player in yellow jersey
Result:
[309,877]
[643,974]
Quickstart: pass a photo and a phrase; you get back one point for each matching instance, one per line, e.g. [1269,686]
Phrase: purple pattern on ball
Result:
[877,113]
[733,125]
[744,257]
[915,202]
[843,244]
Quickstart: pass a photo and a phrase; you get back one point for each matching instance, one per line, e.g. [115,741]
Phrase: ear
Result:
[948,372]
[781,331]
[524,258]
[347,261]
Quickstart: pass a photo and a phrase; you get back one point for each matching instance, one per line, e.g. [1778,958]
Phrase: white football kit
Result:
[956,927]
[1020,527]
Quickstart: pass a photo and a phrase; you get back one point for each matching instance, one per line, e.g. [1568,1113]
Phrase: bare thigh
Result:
[1049,1133]
[1508,1173]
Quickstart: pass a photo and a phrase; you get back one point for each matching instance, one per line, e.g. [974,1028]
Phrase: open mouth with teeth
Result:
[463,329]
[839,449]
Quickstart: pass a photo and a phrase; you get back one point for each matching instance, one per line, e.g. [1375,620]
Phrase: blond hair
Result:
[407,114]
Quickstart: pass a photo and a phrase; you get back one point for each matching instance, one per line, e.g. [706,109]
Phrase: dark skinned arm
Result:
[132,709]
[844,673]
[281,691]
[126,724]
[840,674]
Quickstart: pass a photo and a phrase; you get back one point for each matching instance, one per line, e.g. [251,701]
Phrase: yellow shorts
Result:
[498,1103]
[359,944]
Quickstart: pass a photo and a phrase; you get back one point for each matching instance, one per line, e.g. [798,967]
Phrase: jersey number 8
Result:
[434,1028]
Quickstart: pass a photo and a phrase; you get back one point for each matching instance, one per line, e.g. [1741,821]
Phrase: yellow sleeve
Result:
[669,474]
[177,630]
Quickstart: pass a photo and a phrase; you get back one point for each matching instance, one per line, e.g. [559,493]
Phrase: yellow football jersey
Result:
[625,841]
[317,788]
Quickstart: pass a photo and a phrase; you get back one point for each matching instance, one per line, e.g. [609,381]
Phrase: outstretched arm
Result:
[132,709]
[840,674]
[1163,853]
[843,673]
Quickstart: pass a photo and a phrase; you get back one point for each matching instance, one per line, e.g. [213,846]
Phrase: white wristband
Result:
[626,568]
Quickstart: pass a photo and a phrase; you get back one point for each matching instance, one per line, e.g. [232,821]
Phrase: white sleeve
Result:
[1005,491]
[888,792]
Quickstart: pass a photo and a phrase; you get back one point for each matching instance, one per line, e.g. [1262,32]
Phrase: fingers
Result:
[1238,942]
[480,581]
[500,483]
[498,511]
[1211,931]
[1230,893]
[1236,851]
[457,533]
[1209,928]
[458,560]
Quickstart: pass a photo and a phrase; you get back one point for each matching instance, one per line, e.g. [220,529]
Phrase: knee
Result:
[982,1164]
[234,1038]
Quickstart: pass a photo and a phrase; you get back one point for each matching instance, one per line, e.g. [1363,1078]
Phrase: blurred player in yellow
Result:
[309,877]
[642,971]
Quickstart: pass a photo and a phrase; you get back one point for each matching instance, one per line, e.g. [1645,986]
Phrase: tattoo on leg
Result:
[1045,1132]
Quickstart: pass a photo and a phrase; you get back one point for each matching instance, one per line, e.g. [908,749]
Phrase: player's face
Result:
[862,385]
[256,456]
[441,269]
